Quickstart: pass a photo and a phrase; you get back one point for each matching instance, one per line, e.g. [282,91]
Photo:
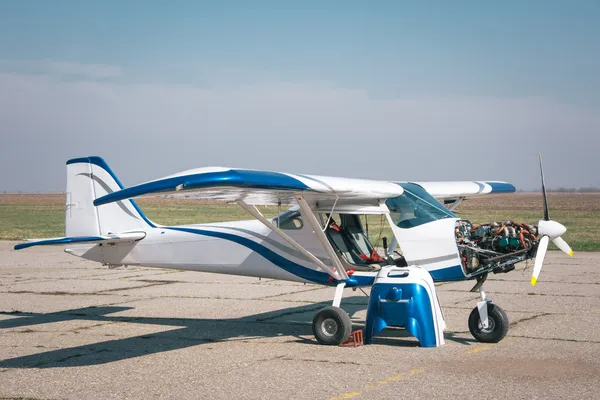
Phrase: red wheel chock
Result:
[354,340]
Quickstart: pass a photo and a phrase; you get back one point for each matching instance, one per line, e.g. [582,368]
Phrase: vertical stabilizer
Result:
[87,179]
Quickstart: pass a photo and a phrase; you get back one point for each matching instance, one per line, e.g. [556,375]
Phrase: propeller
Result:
[549,230]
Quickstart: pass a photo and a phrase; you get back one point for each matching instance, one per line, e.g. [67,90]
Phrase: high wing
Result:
[260,187]
[453,193]
[466,189]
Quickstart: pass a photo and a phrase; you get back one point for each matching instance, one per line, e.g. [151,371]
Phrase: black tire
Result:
[331,326]
[497,328]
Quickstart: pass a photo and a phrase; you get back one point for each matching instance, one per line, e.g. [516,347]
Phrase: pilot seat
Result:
[350,241]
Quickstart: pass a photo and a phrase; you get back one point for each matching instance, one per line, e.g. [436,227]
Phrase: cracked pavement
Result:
[74,329]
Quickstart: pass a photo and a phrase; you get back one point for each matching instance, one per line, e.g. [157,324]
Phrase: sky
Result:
[394,90]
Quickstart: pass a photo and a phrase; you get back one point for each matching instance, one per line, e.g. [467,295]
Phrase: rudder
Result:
[87,179]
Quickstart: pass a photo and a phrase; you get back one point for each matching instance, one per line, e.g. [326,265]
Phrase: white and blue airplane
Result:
[319,240]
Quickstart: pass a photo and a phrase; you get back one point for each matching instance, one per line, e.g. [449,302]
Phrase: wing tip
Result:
[501,187]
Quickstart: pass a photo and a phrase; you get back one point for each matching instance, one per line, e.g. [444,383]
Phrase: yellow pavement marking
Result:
[400,377]
[480,348]
[348,395]
[391,379]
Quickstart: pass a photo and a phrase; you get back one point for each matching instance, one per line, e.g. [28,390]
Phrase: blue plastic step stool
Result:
[405,297]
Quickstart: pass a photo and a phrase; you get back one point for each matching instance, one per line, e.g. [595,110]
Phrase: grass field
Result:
[42,215]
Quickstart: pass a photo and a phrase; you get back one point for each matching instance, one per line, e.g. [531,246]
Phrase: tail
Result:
[87,179]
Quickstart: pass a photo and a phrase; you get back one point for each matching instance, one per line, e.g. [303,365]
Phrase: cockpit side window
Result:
[288,220]
[416,207]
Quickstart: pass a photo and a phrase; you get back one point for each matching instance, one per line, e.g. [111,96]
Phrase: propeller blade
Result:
[561,244]
[546,217]
[539,259]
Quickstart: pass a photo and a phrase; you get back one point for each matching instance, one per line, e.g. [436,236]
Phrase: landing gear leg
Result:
[488,322]
[332,325]
[482,308]
[339,293]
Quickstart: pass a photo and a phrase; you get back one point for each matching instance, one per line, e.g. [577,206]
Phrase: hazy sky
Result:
[398,90]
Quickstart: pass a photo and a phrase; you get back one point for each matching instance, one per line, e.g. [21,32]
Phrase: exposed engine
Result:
[496,246]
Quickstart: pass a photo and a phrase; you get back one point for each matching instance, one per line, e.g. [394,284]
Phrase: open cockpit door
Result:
[425,232]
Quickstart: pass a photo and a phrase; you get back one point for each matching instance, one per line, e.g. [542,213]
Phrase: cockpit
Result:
[350,240]
[347,236]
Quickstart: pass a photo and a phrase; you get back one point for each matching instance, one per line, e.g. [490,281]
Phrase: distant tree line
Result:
[589,189]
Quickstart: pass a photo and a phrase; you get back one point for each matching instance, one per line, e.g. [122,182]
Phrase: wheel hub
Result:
[329,327]
[490,328]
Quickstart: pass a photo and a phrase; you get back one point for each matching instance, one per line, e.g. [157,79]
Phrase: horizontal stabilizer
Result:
[122,237]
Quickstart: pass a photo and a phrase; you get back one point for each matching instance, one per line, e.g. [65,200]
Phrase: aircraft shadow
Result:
[294,321]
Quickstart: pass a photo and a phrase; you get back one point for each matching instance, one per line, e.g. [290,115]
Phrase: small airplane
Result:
[320,240]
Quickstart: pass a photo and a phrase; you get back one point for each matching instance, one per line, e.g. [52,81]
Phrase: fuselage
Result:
[246,248]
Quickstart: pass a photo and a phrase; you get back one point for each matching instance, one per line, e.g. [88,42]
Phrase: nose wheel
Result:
[488,322]
[331,326]
[496,327]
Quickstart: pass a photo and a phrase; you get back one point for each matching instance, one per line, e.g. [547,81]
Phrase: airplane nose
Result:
[552,229]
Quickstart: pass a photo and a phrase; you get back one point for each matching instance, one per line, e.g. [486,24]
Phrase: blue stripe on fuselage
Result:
[282,262]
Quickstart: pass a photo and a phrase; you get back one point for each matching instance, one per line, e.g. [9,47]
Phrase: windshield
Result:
[416,207]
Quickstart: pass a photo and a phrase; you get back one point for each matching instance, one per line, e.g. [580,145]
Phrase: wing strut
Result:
[337,273]
[312,220]
[456,203]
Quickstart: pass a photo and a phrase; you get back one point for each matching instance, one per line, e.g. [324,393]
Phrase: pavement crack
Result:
[513,324]
[517,293]
[56,293]
[61,360]
[67,358]
[554,339]
[21,398]
[144,275]
[510,311]
[155,283]
[291,293]
[309,360]
[84,328]
[27,331]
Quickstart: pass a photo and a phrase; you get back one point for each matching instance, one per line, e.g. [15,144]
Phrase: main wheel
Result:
[331,326]
[497,324]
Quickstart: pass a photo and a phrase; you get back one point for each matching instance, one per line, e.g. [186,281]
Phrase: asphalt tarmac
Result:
[74,329]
